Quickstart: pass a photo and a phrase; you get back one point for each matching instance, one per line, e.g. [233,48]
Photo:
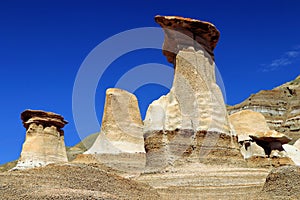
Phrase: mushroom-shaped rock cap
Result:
[42,117]
[270,136]
[201,32]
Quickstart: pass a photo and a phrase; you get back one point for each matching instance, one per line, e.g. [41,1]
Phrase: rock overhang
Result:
[41,117]
[183,32]
[270,136]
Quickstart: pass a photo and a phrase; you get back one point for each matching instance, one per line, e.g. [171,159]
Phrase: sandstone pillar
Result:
[44,143]
[190,122]
[122,126]
[120,143]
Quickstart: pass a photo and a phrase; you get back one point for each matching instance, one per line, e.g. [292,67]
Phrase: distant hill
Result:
[8,166]
[82,146]
[280,106]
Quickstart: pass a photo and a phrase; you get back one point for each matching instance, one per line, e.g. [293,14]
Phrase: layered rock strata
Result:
[44,143]
[190,122]
[121,136]
[280,106]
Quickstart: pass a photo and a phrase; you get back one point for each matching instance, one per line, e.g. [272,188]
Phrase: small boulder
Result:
[293,153]
[283,182]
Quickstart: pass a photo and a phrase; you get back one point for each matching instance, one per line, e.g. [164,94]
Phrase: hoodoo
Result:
[44,143]
[120,143]
[121,130]
[191,121]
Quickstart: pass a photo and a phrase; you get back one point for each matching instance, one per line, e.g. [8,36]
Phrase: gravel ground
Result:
[194,181]
[75,181]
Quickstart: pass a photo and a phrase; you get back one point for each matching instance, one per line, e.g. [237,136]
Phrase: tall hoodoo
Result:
[195,100]
[120,143]
[122,126]
[44,143]
[189,120]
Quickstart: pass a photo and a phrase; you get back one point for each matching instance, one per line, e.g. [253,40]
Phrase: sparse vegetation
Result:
[7,166]
[81,147]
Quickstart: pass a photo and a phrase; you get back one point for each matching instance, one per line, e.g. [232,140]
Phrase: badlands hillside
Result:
[187,147]
[280,106]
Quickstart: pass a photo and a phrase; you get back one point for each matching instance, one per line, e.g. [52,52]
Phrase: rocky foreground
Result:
[96,181]
[71,181]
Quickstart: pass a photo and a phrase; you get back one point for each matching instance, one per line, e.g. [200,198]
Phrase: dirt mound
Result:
[72,181]
[283,182]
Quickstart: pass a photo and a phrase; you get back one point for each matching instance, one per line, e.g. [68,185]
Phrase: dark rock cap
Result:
[42,117]
[204,33]
[270,136]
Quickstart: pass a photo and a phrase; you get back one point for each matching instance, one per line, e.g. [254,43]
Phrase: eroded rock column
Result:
[190,122]
[122,125]
[120,143]
[44,143]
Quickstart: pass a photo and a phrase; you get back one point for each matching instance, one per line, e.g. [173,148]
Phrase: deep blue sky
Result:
[43,43]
